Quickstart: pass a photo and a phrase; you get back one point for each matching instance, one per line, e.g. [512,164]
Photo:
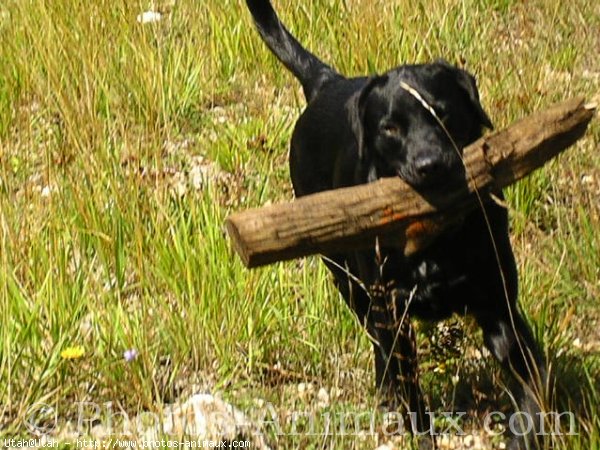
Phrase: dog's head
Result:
[414,122]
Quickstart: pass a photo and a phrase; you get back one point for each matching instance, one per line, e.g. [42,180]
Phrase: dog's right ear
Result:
[468,83]
[357,106]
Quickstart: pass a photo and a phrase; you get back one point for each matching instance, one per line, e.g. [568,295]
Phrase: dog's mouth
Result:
[446,180]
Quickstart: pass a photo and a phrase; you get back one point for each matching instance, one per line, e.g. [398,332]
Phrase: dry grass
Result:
[108,240]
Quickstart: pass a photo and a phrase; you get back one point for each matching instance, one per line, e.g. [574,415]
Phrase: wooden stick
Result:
[391,211]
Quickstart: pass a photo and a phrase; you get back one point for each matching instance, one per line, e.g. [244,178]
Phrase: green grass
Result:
[101,119]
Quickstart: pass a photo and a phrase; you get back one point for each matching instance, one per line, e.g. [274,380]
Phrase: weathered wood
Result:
[391,211]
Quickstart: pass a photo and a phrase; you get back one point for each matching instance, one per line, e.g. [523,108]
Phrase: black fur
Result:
[355,130]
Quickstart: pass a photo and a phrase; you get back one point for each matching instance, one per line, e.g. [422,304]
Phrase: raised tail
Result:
[306,67]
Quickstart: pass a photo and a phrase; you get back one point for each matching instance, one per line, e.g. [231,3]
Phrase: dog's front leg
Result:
[510,340]
[396,365]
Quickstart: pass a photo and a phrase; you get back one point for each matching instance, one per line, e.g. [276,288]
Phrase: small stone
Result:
[385,447]
[323,397]
[336,392]
[444,442]
[305,389]
[587,179]
[149,17]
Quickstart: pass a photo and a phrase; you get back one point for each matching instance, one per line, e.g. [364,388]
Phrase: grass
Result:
[109,242]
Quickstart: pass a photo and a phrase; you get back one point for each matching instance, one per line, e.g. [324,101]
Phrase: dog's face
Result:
[414,122]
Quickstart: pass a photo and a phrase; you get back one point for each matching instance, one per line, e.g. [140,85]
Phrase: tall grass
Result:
[106,243]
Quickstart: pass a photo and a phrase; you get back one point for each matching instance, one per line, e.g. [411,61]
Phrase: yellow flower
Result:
[441,368]
[73,352]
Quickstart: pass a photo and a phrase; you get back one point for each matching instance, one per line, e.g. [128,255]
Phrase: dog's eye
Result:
[390,130]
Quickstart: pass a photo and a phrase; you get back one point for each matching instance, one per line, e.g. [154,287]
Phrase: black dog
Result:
[413,122]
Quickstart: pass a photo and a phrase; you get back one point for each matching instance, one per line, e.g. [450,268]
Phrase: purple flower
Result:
[130,355]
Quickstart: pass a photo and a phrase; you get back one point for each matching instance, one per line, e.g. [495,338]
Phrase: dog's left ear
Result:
[468,83]
[357,106]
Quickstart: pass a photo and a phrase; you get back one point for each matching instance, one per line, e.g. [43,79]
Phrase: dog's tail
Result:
[306,67]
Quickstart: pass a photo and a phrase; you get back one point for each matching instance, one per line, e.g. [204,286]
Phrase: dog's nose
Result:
[428,166]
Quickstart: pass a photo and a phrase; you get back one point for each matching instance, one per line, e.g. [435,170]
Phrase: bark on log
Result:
[391,211]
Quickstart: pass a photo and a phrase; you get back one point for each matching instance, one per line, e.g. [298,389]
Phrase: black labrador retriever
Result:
[412,122]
